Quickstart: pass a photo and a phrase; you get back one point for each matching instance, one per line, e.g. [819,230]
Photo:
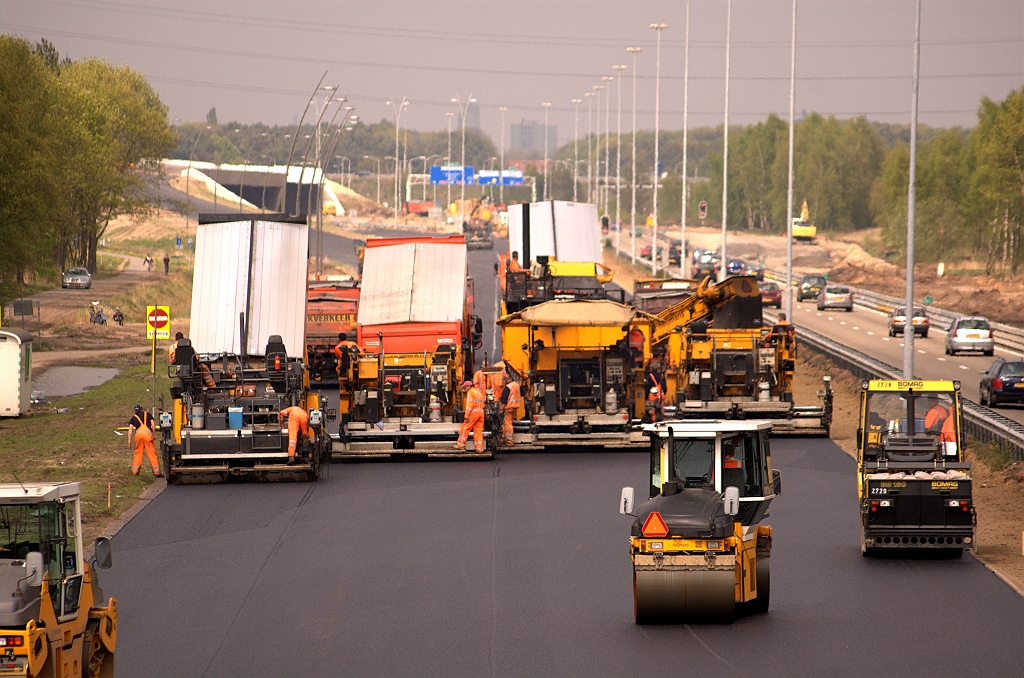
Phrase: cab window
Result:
[694,460]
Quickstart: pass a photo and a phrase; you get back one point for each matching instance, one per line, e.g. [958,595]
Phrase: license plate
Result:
[973,335]
[1019,384]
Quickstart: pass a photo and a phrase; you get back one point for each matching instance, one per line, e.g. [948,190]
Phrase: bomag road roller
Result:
[54,619]
[913,483]
[697,545]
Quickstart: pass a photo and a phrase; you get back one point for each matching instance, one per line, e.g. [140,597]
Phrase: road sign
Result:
[158,319]
[24,308]
[451,175]
[508,178]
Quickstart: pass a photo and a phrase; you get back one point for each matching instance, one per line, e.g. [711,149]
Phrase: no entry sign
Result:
[158,319]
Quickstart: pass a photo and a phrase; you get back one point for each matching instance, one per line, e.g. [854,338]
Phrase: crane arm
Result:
[701,304]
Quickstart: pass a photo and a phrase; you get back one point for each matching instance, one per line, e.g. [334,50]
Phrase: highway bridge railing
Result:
[1006,336]
[979,422]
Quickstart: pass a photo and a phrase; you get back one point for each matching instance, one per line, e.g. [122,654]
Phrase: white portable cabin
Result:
[15,371]
[561,230]
[254,266]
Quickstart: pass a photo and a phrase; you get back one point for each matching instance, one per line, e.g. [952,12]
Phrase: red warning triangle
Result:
[654,526]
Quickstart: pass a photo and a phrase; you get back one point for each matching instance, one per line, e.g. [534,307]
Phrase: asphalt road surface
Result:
[868,332]
[520,567]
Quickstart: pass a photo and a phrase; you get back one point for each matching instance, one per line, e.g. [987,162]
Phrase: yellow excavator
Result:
[55,621]
[718,360]
[698,549]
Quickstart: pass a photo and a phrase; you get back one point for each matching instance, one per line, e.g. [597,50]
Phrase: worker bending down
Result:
[474,420]
[510,399]
[298,421]
[141,425]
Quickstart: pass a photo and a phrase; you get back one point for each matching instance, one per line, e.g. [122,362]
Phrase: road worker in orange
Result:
[513,264]
[344,347]
[298,422]
[940,419]
[474,418]
[140,427]
[511,399]
[170,351]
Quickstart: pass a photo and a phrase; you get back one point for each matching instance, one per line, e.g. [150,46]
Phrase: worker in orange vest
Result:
[511,399]
[513,264]
[170,351]
[298,421]
[655,403]
[474,419]
[344,347]
[940,419]
[140,427]
[636,345]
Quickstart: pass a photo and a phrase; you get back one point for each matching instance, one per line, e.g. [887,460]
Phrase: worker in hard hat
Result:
[298,422]
[140,435]
[654,404]
[343,351]
[474,418]
[510,400]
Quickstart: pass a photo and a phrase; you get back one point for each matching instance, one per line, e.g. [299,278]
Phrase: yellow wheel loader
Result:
[55,621]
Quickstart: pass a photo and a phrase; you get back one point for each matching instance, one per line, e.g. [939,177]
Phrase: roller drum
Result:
[677,596]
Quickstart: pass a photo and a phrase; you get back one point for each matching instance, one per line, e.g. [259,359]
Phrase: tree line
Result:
[76,141]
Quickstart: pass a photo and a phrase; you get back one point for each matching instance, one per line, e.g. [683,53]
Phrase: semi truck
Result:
[697,545]
[417,335]
[55,619]
[243,366]
[913,483]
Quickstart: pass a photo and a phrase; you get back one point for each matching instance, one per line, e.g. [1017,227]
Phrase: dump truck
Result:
[698,547]
[331,308]
[55,620]
[243,365]
[719,360]
[416,334]
[913,483]
[580,364]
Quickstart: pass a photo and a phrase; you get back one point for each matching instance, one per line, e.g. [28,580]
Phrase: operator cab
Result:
[933,406]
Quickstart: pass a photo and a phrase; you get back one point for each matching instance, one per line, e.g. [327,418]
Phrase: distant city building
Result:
[528,135]
[472,117]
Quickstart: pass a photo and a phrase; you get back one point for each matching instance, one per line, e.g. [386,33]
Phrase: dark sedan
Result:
[771,295]
[1003,382]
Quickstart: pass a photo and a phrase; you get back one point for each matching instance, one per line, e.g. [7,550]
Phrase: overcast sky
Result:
[259,61]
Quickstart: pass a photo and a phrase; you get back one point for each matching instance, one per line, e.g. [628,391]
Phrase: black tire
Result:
[982,400]
[993,401]
[760,604]
[988,353]
[924,335]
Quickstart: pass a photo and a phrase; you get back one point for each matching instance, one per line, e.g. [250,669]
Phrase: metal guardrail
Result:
[979,422]
[1006,336]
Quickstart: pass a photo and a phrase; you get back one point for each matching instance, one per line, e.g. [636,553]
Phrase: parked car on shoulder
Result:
[970,334]
[836,296]
[810,287]
[898,321]
[771,295]
[79,278]
[1003,382]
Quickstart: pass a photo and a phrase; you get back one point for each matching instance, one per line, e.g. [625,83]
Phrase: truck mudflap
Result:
[399,439]
[918,512]
[219,460]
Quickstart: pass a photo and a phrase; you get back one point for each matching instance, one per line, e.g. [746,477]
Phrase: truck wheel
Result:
[760,604]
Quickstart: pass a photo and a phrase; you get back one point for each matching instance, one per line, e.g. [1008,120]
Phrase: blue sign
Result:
[450,175]
[177,242]
[508,178]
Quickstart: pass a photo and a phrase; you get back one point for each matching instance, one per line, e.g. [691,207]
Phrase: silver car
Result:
[76,277]
[970,334]
[835,296]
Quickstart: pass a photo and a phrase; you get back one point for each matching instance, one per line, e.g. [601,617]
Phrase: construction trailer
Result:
[698,547]
[243,363]
[580,364]
[913,482]
[331,310]
[55,620]
[416,335]
[720,361]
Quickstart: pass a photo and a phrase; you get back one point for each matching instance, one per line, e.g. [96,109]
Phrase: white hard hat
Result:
[654,389]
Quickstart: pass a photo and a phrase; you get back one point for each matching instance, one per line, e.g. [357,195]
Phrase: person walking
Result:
[140,435]
[474,418]
[167,264]
[510,400]
[148,263]
[298,422]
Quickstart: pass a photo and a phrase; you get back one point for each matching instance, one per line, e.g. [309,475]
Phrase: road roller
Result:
[698,548]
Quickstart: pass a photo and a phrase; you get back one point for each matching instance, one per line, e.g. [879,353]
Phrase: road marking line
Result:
[963,367]
[885,338]
[819,315]
[870,333]
[942,360]
[920,351]
[857,328]
[842,322]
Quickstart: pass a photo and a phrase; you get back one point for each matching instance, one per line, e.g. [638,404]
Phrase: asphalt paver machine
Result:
[698,547]
[55,620]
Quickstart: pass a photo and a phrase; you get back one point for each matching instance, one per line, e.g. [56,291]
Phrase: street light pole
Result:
[686,111]
[188,174]
[597,170]
[618,159]
[607,143]
[590,151]
[789,188]
[397,108]
[725,143]
[908,326]
[632,205]
[448,161]
[462,111]
[501,172]
[657,172]
[576,148]
[547,171]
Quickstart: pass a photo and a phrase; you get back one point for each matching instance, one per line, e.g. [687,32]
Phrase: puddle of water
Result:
[64,381]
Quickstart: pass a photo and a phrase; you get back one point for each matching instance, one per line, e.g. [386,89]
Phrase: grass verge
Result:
[81,444]
[174,290]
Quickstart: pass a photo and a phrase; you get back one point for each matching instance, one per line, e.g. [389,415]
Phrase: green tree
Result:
[211,116]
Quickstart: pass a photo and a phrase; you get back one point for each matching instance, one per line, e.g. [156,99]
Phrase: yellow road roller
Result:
[697,545]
